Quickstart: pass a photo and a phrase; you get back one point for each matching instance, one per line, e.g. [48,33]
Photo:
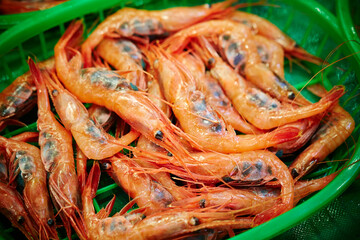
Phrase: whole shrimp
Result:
[35,193]
[128,22]
[247,168]
[263,27]
[125,56]
[107,88]
[91,138]
[58,158]
[20,96]
[190,106]
[214,95]
[163,225]
[252,103]
[336,129]
[12,206]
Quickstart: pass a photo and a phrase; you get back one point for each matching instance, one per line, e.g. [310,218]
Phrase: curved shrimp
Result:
[58,158]
[215,96]
[35,193]
[252,103]
[163,225]
[336,129]
[247,168]
[129,22]
[91,138]
[125,56]
[20,96]
[12,207]
[210,132]
[107,88]
[265,28]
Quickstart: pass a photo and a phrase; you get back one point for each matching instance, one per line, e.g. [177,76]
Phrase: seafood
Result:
[134,225]
[107,88]
[336,129]
[251,102]
[58,158]
[35,194]
[12,206]
[125,56]
[91,138]
[102,116]
[20,96]
[189,106]
[128,22]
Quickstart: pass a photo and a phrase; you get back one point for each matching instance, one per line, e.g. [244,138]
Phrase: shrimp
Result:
[102,116]
[20,96]
[124,55]
[265,28]
[336,129]
[107,88]
[189,106]
[35,193]
[215,96]
[58,158]
[12,207]
[162,225]
[247,168]
[91,138]
[251,103]
[128,22]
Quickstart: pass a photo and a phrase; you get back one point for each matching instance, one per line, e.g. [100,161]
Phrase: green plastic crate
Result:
[311,25]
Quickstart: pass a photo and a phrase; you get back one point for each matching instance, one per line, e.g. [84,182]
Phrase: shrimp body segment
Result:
[35,193]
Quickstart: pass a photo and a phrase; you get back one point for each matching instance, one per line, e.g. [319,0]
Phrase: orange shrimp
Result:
[124,55]
[58,158]
[210,132]
[265,28]
[162,225]
[336,129]
[35,193]
[20,96]
[91,138]
[253,103]
[107,88]
[247,168]
[128,22]
[102,116]
[12,207]
[214,94]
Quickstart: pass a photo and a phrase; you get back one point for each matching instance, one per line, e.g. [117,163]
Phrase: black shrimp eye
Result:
[50,222]
[194,221]
[21,220]
[211,62]
[291,95]
[55,92]
[105,166]
[159,135]
[294,173]
[169,154]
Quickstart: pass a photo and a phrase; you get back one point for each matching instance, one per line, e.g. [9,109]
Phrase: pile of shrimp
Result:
[196,96]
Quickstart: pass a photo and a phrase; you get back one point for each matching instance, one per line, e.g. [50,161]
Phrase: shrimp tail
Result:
[270,214]
[302,54]
[92,181]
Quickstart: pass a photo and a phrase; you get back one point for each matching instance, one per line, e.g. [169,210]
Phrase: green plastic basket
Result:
[310,24]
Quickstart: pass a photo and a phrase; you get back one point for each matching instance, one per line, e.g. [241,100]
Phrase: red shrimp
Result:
[35,193]
[58,158]
[128,22]
[162,225]
[253,103]
[265,28]
[125,56]
[12,207]
[107,88]
[91,138]
[336,129]
[190,106]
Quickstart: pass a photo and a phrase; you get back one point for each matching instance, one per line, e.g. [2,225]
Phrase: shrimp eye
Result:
[20,220]
[202,203]
[50,222]
[55,92]
[227,179]
[291,95]
[194,221]
[105,166]
[294,173]
[169,154]
[211,62]
[159,135]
